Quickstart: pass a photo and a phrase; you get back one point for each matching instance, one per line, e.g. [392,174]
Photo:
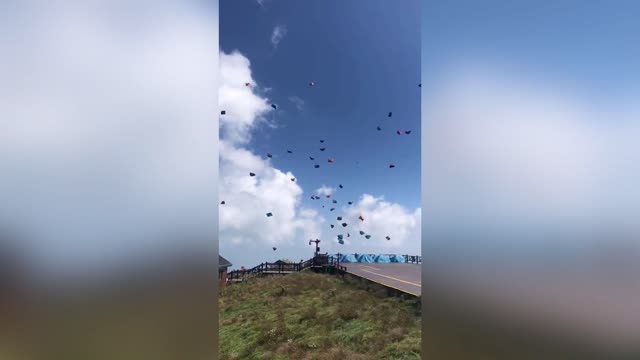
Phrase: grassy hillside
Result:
[316,317]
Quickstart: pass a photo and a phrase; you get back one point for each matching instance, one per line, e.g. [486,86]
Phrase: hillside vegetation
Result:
[316,316]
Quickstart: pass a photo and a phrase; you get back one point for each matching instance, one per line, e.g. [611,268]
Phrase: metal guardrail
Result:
[413,259]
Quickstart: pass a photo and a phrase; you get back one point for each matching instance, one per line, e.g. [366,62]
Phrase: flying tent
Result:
[223,112]
[290,152]
[316,166]
[365,258]
[407,132]
[350,258]
[252,174]
[340,186]
[274,106]
[269,214]
[339,218]
[222,203]
[335,201]
[361,232]
[379,128]
[323,149]
[310,158]
[368,236]
[397,259]
[390,113]
[384,259]
[269,155]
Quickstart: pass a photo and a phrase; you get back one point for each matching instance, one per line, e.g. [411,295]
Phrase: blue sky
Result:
[591,44]
[535,106]
[364,66]
[365,62]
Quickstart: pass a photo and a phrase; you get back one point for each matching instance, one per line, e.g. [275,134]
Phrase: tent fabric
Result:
[348,258]
[365,258]
[382,259]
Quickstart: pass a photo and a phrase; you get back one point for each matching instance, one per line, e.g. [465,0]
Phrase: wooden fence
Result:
[287,268]
[284,268]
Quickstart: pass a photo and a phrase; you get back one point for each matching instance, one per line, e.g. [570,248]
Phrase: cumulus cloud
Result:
[243,221]
[248,199]
[242,105]
[107,128]
[504,147]
[325,190]
[278,34]
[382,219]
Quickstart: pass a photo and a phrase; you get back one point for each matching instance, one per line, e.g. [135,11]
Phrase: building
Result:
[223,265]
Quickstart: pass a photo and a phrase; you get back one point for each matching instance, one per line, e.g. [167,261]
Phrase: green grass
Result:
[318,317]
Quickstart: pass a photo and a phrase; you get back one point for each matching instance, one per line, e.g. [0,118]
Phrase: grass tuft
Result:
[317,316]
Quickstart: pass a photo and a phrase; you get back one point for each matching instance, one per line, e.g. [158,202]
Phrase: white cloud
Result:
[248,199]
[278,34]
[243,221]
[381,219]
[242,105]
[325,190]
[298,102]
[508,148]
[115,112]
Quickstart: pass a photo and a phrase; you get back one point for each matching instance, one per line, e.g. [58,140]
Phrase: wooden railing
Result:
[284,268]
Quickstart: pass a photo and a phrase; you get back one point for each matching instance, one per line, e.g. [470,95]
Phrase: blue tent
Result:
[397,258]
[382,259]
[348,259]
[365,258]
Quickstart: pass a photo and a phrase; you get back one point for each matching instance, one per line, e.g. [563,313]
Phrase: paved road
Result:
[403,277]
